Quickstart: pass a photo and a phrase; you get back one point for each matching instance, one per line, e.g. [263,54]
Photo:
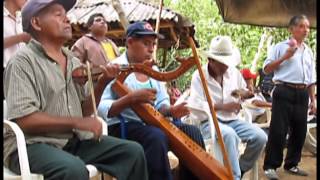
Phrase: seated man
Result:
[257,104]
[51,108]
[223,80]
[140,40]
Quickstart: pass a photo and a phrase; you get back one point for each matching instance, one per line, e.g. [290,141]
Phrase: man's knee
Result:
[230,136]
[261,137]
[75,169]
[157,136]
[134,149]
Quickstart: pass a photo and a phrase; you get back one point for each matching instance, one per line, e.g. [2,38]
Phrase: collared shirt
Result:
[299,69]
[33,82]
[89,48]
[12,26]
[109,50]
[232,80]
[109,96]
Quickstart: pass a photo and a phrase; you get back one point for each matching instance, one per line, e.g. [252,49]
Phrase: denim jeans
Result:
[232,133]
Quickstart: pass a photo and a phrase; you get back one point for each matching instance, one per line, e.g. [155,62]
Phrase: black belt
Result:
[292,85]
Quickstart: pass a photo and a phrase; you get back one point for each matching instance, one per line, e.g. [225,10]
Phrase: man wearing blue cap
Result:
[140,41]
[50,108]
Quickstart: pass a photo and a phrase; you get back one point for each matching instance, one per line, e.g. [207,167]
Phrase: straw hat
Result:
[222,50]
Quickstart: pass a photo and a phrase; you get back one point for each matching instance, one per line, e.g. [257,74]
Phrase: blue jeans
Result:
[234,131]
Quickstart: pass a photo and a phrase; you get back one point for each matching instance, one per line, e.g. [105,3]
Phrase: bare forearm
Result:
[119,105]
[11,40]
[39,122]
[261,103]
[219,107]
[273,65]
[311,91]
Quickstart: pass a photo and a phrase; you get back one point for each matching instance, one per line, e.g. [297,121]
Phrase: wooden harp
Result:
[202,164]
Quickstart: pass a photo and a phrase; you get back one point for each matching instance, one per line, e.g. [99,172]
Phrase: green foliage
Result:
[209,23]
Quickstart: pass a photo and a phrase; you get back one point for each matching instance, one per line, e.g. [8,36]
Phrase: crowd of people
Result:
[50,107]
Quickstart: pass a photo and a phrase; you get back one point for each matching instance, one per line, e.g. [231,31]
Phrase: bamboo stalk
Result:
[157,30]
[263,38]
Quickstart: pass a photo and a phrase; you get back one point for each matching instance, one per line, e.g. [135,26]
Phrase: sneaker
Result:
[296,171]
[271,174]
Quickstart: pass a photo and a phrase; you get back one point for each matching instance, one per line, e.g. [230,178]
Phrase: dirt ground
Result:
[308,163]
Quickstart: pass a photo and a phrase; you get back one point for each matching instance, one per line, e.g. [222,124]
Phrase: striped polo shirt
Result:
[33,82]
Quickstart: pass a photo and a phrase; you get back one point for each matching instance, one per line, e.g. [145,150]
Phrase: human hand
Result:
[147,95]
[313,108]
[236,93]
[25,37]
[293,46]
[110,71]
[232,107]
[293,43]
[90,124]
[242,94]
[179,110]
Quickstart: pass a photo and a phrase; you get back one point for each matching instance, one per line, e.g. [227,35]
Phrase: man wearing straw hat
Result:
[224,80]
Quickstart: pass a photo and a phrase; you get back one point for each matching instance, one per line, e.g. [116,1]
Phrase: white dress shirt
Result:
[232,80]
[11,26]
[299,69]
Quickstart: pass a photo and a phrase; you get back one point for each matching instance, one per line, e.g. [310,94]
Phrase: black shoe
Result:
[296,171]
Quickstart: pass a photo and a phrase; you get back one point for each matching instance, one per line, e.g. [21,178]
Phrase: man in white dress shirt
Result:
[224,79]
[14,37]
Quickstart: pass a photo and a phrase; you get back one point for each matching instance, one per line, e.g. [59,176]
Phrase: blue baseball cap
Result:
[141,28]
[32,7]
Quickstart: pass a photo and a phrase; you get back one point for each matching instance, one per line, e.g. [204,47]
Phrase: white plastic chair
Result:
[311,141]
[94,174]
